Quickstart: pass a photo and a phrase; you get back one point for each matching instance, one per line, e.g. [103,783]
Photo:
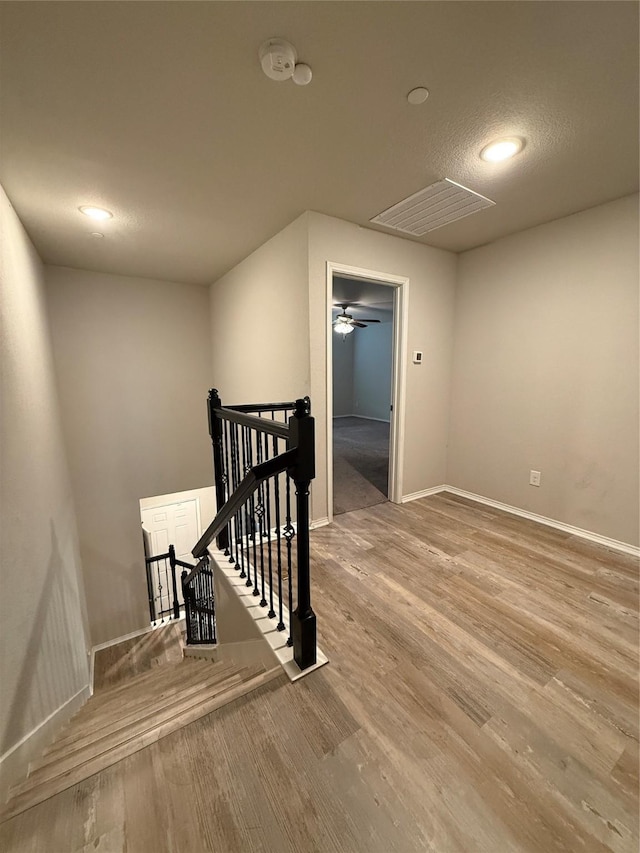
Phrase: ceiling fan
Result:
[344,323]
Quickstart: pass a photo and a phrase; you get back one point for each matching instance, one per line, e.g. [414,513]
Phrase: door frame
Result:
[400,285]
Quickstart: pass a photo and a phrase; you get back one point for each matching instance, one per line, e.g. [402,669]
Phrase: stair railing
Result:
[162,586]
[260,457]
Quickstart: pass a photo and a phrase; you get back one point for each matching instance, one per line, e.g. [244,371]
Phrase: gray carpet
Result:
[360,463]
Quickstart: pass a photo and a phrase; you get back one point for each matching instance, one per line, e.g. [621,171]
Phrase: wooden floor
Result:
[481,696]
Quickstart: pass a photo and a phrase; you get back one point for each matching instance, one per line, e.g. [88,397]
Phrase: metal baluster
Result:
[234,485]
[249,510]
[289,533]
[272,613]
[160,588]
[238,515]
[276,492]
[246,467]
[229,469]
[260,513]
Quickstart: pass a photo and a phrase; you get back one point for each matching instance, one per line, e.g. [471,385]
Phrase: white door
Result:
[174,524]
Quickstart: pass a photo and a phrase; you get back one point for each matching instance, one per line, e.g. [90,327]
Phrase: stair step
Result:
[51,780]
[168,682]
[130,719]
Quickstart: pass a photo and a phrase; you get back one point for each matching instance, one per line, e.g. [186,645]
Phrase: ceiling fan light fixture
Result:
[342,327]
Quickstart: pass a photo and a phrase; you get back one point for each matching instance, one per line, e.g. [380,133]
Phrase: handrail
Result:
[157,557]
[202,562]
[244,528]
[262,424]
[241,495]
[264,407]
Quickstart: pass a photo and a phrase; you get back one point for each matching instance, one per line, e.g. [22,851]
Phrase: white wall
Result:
[432,274]
[259,322]
[546,371]
[133,365]
[43,641]
[343,349]
[372,367]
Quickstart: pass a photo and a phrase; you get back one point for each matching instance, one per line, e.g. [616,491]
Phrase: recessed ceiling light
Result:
[418,96]
[95,212]
[502,149]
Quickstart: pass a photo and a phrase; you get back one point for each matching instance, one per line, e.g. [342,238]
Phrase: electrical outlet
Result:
[534,478]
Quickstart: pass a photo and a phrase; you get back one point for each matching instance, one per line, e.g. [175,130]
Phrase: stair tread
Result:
[35,791]
[130,720]
[170,677]
[170,674]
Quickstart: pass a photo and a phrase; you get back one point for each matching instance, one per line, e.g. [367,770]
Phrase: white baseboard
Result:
[606,541]
[15,761]
[423,494]
[319,522]
[614,544]
[362,417]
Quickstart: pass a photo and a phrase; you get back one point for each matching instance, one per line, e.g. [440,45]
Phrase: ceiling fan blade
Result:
[362,320]
[359,325]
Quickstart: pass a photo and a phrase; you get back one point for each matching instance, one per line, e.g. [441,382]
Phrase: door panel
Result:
[177,525]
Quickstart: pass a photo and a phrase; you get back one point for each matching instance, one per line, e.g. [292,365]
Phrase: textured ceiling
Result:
[161,113]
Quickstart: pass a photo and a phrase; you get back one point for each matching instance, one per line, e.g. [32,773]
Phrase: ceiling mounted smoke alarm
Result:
[279,61]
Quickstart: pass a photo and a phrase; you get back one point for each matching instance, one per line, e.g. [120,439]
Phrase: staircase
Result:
[123,719]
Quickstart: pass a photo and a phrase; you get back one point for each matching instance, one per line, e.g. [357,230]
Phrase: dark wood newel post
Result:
[303,619]
[215,431]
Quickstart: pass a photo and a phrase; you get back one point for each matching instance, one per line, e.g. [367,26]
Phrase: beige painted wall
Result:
[546,371]
[432,274]
[259,326]
[43,642]
[133,365]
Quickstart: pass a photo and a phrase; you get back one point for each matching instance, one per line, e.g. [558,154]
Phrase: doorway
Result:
[172,519]
[365,370]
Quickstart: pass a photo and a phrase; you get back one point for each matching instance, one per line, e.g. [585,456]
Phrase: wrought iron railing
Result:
[162,586]
[264,462]
[199,603]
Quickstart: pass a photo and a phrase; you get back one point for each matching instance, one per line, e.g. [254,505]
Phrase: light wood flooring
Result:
[482,695]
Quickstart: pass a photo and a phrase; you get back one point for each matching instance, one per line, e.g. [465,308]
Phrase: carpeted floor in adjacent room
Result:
[360,463]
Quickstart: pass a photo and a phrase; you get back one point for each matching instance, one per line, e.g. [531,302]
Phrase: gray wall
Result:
[43,641]
[342,348]
[372,362]
[133,366]
[546,371]
[362,368]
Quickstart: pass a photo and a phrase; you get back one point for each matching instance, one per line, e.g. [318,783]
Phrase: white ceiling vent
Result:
[431,208]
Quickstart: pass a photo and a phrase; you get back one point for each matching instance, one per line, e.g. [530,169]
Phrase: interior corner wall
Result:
[546,371]
[372,371]
[432,274]
[259,322]
[43,637]
[132,361]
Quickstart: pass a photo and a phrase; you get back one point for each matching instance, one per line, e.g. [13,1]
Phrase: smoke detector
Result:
[279,61]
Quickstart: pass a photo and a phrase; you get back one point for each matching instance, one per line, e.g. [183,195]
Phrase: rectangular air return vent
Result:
[431,208]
